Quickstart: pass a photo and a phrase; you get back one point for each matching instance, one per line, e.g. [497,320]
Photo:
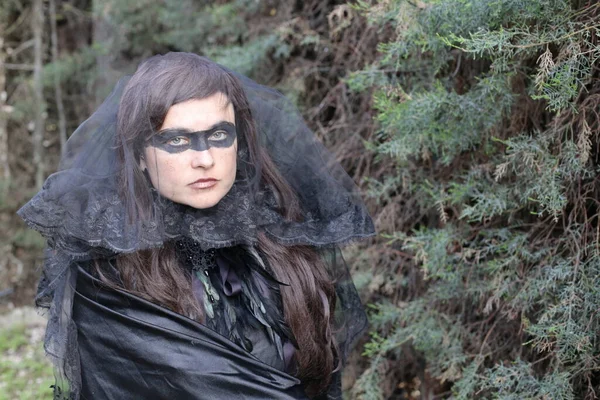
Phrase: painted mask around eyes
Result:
[176,140]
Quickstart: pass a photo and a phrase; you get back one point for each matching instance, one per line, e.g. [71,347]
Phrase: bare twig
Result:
[19,67]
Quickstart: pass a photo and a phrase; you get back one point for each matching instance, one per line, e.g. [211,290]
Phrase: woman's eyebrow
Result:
[220,124]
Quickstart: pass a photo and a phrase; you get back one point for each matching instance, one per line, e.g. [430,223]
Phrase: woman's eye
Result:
[178,141]
[218,135]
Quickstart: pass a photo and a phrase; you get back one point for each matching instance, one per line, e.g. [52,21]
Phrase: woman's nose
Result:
[202,159]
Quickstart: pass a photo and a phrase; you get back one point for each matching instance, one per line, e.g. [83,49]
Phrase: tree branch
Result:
[23,46]
[19,67]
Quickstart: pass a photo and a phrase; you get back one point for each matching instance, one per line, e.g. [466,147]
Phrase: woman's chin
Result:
[197,198]
[201,202]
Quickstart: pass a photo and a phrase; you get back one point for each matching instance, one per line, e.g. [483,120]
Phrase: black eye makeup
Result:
[177,140]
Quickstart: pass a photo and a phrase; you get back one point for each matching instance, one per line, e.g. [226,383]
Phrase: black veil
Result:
[81,212]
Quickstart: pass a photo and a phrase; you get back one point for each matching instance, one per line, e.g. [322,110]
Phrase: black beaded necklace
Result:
[201,262]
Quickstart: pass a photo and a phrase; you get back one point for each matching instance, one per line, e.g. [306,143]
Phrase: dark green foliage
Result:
[134,30]
[147,27]
[440,123]
[487,111]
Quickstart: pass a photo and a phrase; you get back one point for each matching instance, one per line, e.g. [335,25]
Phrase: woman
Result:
[193,230]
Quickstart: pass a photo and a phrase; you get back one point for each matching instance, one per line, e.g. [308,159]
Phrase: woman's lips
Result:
[203,183]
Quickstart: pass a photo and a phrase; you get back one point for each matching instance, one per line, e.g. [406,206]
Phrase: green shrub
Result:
[487,114]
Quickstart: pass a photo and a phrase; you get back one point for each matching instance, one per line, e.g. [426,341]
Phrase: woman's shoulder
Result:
[102,269]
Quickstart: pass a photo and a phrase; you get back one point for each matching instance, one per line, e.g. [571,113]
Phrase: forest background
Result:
[471,126]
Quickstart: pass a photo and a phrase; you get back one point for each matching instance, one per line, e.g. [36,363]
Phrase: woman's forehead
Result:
[200,114]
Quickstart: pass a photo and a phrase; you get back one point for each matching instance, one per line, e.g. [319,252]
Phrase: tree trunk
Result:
[4,167]
[62,124]
[103,38]
[37,23]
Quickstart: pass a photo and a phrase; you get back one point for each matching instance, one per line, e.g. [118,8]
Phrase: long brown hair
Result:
[308,297]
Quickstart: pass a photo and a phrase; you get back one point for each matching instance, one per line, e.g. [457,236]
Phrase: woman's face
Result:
[192,159]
